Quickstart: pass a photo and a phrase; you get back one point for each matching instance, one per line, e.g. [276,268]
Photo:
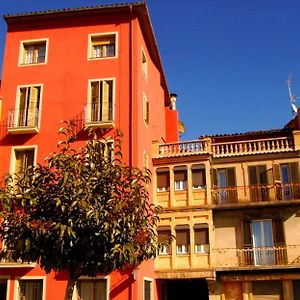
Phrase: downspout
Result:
[130,92]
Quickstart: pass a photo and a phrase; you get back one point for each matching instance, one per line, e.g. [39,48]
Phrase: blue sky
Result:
[228,61]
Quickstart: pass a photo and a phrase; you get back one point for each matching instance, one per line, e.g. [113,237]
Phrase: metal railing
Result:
[256,193]
[257,256]
[98,112]
[22,118]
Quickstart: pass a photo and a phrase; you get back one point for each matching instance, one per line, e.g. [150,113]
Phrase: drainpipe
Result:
[130,92]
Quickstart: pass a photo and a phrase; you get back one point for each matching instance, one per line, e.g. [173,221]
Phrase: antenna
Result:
[292,96]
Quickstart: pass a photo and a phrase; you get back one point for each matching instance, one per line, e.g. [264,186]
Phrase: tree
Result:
[83,211]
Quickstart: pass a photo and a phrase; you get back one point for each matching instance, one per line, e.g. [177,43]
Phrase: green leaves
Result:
[84,211]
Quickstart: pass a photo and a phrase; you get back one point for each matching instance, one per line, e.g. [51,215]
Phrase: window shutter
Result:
[33,105]
[278,232]
[247,234]
[201,236]
[163,235]
[29,155]
[182,237]
[262,171]
[163,179]
[276,173]
[294,170]
[230,176]
[214,178]
[19,161]
[198,177]
[180,175]
[252,175]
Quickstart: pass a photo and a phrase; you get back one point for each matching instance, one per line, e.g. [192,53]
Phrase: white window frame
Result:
[144,63]
[180,185]
[146,110]
[102,34]
[83,278]
[21,148]
[28,42]
[151,287]
[89,96]
[202,248]
[18,99]
[8,283]
[18,279]
[182,249]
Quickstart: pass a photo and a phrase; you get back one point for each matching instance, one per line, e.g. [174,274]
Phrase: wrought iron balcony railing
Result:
[97,113]
[257,257]
[256,193]
[23,118]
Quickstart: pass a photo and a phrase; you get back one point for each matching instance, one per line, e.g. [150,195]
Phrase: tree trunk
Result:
[70,288]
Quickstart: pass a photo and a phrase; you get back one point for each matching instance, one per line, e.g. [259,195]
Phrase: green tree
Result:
[83,211]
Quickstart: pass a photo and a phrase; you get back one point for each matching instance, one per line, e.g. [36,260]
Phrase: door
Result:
[3,289]
[222,184]
[285,180]
[263,242]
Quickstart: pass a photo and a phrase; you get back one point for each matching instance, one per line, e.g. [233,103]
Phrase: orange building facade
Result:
[100,67]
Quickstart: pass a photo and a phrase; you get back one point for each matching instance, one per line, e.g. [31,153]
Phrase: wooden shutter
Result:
[29,158]
[294,170]
[201,236]
[278,232]
[105,101]
[262,171]
[163,179]
[198,177]
[230,172]
[182,235]
[214,178]
[33,105]
[247,234]
[276,173]
[180,175]
[19,161]
[252,175]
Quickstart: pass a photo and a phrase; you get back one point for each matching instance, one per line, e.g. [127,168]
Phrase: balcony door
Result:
[224,185]
[263,242]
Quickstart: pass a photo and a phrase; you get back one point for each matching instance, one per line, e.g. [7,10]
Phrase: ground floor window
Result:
[92,289]
[30,289]
[147,289]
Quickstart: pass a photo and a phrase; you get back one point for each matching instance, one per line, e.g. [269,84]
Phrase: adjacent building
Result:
[232,204]
[100,67]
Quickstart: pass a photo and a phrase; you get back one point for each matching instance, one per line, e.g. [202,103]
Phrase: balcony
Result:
[23,121]
[217,150]
[257,257]
[98,115]
[243,195]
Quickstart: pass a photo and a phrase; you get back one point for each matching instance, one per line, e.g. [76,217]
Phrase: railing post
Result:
[155,148]
[207,145]
[296,135]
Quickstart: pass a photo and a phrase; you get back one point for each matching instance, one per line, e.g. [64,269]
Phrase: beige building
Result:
[232,203]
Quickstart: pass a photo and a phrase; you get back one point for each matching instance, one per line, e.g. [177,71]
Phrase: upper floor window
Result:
[30,289]
[95,289]
[164,234]
[24,159]
[163,180]
[201,238]
[180,178]
[33,52]
[147,289]
[102,46]
[100,108]
[258,181]
[144,64]
[146,110]
[182,239]
[198,177]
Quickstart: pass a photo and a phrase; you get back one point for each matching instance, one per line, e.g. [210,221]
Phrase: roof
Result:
[140,8]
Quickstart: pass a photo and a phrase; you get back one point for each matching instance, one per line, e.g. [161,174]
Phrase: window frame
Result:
[99,35]
[148,279]
[166,173]
[21,148]
[23,43]
[146,110]
[183,249]
[86,278]
[88,121]
[8,283]
[180,185]
[28,278]
[144,63]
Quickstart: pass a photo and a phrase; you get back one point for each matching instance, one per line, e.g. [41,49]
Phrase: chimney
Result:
[173,98]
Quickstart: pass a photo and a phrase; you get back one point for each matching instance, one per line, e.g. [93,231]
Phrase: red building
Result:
[99,66]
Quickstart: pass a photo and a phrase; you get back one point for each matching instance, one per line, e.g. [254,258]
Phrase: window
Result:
[258,182]
[146,110]
[146,160]
[31,289]
[27,113]
[286,178]
[164,235]
[180,178]
[182,239]
[198,177]
[163,180]
[224,183]
[102,46]
[92,289]
[144,64]
[3,289]
[266,238]
[33,52]
[100,107]
[201,238]
[24,159]
[147,289]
